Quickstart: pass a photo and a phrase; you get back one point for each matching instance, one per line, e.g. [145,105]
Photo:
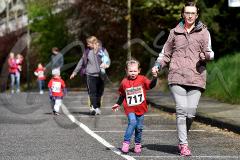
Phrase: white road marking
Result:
[94,135]
[88,107]
[167,130]
[116,115]
[177,157]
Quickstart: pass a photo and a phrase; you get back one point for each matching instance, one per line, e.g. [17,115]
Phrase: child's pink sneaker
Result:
[179,148]
[125,147]
[137,148]
[185,151]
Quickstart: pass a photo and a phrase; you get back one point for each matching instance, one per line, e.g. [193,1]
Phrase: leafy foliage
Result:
[49,29]
[223,79]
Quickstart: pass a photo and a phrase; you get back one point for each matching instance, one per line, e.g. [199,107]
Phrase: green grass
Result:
[223,80]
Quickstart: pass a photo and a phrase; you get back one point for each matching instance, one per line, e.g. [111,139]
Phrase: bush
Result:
[223,79]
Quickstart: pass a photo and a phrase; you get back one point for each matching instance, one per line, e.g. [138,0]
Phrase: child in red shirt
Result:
[39,72]
[133,95]
[57,89]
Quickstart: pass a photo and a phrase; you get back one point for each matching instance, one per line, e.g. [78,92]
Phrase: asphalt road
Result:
[29,131]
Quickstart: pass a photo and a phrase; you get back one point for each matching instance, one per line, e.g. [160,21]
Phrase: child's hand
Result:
[104,66]
[20,68]
[115,107]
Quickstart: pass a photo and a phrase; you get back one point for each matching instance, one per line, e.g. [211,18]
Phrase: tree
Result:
[49,29]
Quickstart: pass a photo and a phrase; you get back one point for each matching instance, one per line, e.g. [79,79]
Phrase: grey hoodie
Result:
[57,60]
[93,64]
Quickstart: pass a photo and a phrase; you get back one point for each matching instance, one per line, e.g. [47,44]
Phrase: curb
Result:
[200,118]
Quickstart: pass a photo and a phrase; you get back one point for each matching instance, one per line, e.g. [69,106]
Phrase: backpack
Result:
[84,64]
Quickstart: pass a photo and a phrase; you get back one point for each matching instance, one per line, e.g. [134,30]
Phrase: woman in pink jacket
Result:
[186,52]
[13,70]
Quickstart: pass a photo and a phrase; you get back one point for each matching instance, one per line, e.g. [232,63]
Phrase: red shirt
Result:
[57,85]
[39,72]
[12,65]
[19,62]
[134,92]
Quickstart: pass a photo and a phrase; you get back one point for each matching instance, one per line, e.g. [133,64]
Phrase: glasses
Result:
[190,13]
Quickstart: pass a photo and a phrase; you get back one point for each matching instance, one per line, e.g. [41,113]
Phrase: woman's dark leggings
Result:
[95,86]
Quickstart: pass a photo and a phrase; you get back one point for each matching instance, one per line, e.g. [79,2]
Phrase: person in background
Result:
[19,61]
[133,95]
[90,66]
[57,90]
[12,69]
[39,72]
[186,52]
[57,60]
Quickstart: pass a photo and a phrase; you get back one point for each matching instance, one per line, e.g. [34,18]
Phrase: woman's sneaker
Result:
[92,110]
[185,151]
[137,148]
[125,147]
[98,111]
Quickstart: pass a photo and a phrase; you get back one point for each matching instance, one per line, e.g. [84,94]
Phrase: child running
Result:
[133,95]
[57,89]
[39,72]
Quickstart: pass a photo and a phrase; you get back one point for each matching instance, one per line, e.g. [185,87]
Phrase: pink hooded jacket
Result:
[186,54]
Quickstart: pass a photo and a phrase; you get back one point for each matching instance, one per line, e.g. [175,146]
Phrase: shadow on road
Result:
[162,148]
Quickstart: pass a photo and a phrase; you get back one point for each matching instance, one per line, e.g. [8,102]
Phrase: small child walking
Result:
[39,72]
[132,93]
[57,90]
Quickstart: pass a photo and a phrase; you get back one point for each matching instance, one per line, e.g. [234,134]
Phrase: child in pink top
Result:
[12,69]
[39,72]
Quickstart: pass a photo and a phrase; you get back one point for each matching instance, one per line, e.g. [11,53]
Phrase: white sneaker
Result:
[41,92]
[92,110]
[18,90]
[12,91]
[98,111]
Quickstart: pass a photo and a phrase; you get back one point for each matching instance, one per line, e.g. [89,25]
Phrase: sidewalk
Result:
[222,115]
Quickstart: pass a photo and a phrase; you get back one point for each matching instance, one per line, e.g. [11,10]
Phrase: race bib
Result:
[134,96]
[40,74]
[56,87]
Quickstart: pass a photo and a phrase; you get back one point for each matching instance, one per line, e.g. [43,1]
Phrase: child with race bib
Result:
[39,72]
[57,89]
[133,96]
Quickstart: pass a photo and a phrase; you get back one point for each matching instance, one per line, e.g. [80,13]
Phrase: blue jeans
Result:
[15,76]
[18,80]
[135,123]
[41,84]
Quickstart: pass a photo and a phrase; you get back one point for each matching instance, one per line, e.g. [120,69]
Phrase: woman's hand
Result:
[72,75]
[155,71]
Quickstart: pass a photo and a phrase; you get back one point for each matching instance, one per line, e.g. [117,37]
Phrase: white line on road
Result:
[94,135]
[88,107]
[117,115]
[177,157]
[168,130]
